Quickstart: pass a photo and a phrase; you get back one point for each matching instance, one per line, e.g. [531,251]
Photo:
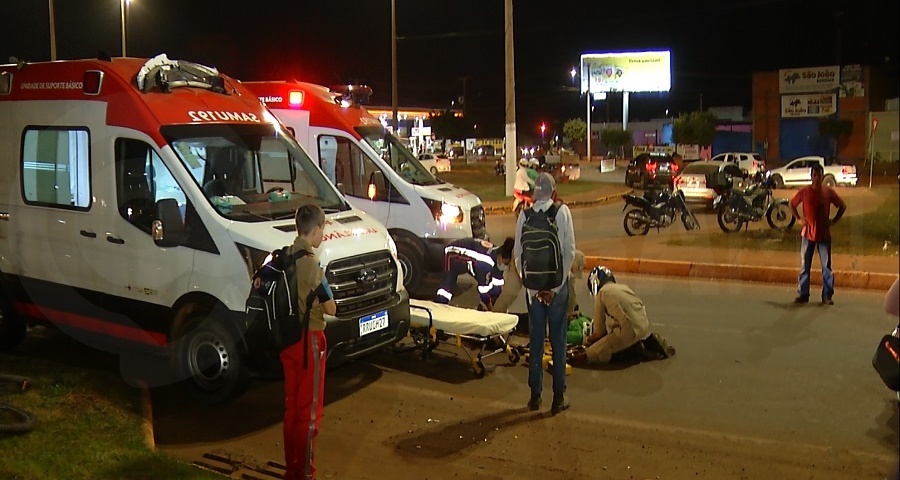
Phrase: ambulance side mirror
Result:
[168,228]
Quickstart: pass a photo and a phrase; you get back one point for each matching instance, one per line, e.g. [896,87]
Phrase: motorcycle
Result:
[658,209]
[521,201]
[736,208]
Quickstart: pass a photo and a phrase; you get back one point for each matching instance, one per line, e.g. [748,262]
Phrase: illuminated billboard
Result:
[627,72]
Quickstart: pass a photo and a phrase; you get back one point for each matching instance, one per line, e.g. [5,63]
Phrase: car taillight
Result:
[674,167]
[848,170]
[650,166]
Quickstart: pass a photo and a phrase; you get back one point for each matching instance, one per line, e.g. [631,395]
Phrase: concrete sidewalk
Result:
[652,256]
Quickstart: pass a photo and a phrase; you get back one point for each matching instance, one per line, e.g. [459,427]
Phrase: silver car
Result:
[692,180]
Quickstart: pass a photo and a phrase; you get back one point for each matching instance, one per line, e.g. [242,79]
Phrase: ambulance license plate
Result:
[373,323]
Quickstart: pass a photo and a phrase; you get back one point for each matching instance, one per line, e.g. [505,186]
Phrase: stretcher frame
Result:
[426,338]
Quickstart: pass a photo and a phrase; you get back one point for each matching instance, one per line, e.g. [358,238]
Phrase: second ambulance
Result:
[377,173]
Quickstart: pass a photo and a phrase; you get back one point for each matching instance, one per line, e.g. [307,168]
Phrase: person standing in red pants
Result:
[304,361]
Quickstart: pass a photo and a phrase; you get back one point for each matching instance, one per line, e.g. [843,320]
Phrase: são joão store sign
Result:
[627,71]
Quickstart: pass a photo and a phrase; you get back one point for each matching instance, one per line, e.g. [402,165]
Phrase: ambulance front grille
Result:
[362,282]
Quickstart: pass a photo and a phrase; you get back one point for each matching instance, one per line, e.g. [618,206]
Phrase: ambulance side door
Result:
[142,278]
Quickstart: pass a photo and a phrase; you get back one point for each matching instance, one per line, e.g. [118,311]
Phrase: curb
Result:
[747,273]
[576,203]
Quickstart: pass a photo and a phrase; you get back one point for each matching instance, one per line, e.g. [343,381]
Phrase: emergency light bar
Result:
[295,98]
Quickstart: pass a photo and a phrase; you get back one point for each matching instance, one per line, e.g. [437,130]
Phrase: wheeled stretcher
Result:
[479,334]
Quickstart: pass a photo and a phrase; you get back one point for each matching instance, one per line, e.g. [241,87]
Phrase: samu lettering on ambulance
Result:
[220,116]
[348,233]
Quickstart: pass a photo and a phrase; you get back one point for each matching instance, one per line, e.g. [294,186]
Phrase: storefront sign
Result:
[798,106]
[815,79]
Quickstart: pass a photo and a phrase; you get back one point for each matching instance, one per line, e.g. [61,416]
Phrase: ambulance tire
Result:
[12,327]
[412,262]
[210,361]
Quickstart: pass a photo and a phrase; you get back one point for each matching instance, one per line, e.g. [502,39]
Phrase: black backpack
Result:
[273,300]
[542,267]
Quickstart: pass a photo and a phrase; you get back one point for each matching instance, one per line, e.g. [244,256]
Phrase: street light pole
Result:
[122,5]
[587,67]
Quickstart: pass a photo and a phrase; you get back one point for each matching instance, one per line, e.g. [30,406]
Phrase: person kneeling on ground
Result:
[481,260]
[620,323]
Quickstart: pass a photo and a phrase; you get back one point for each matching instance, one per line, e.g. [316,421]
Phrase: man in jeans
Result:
[817,200]
[548,307]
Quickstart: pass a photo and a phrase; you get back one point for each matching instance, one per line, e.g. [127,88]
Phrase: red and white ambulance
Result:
[377,173]
[135,205]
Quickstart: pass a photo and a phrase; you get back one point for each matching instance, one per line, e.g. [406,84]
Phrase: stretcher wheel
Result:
[478,366]
[513,355]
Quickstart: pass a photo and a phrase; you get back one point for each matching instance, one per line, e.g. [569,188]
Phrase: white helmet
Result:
[598,277]
[523,162]
[534,163]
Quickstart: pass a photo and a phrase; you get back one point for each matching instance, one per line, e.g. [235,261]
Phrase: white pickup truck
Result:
[797,172]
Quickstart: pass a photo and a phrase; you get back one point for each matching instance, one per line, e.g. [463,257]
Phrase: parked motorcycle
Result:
[736,208]
[657,209]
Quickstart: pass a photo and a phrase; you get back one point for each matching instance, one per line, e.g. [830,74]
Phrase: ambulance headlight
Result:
[444,213]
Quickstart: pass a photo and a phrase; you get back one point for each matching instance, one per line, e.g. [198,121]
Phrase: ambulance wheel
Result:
[412,262]
[209,360]
[12,327]
[478,366]
[513,356]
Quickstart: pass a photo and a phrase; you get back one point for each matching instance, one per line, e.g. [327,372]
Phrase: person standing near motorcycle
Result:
[816,232]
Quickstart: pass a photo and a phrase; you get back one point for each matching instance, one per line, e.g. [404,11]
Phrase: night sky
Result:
[446,46]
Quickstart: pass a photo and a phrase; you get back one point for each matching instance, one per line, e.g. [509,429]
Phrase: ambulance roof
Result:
[326,107]
[174,92]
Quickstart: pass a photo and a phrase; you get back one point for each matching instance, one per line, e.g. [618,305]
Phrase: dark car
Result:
[648,170]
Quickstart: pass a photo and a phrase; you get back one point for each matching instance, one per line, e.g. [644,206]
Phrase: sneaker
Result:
[827,301]
[534,403]
[560,403]
[801,300]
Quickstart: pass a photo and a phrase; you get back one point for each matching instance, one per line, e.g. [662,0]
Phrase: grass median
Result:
[89,426]
[480,179]
[873,233]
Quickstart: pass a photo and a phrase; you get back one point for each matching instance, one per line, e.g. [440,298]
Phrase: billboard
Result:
[806,80]
[815,105]
[626,72]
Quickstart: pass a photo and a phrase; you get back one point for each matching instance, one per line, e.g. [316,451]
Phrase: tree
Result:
[835,128]
[615,139]
[576,131]
[447,125]
[695,128]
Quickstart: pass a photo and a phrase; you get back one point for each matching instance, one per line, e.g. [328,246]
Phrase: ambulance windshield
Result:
[251,173]
[397,156]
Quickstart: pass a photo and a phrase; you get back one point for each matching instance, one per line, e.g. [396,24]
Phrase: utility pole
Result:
[52,34]
[511,149]
[394,66]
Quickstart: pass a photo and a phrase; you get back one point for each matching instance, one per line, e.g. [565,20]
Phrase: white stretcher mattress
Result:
[461,321]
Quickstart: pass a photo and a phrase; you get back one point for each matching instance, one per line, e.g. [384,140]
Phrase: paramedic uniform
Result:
[478,258]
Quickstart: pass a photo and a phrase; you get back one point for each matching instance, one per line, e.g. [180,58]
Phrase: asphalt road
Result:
[759,389]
